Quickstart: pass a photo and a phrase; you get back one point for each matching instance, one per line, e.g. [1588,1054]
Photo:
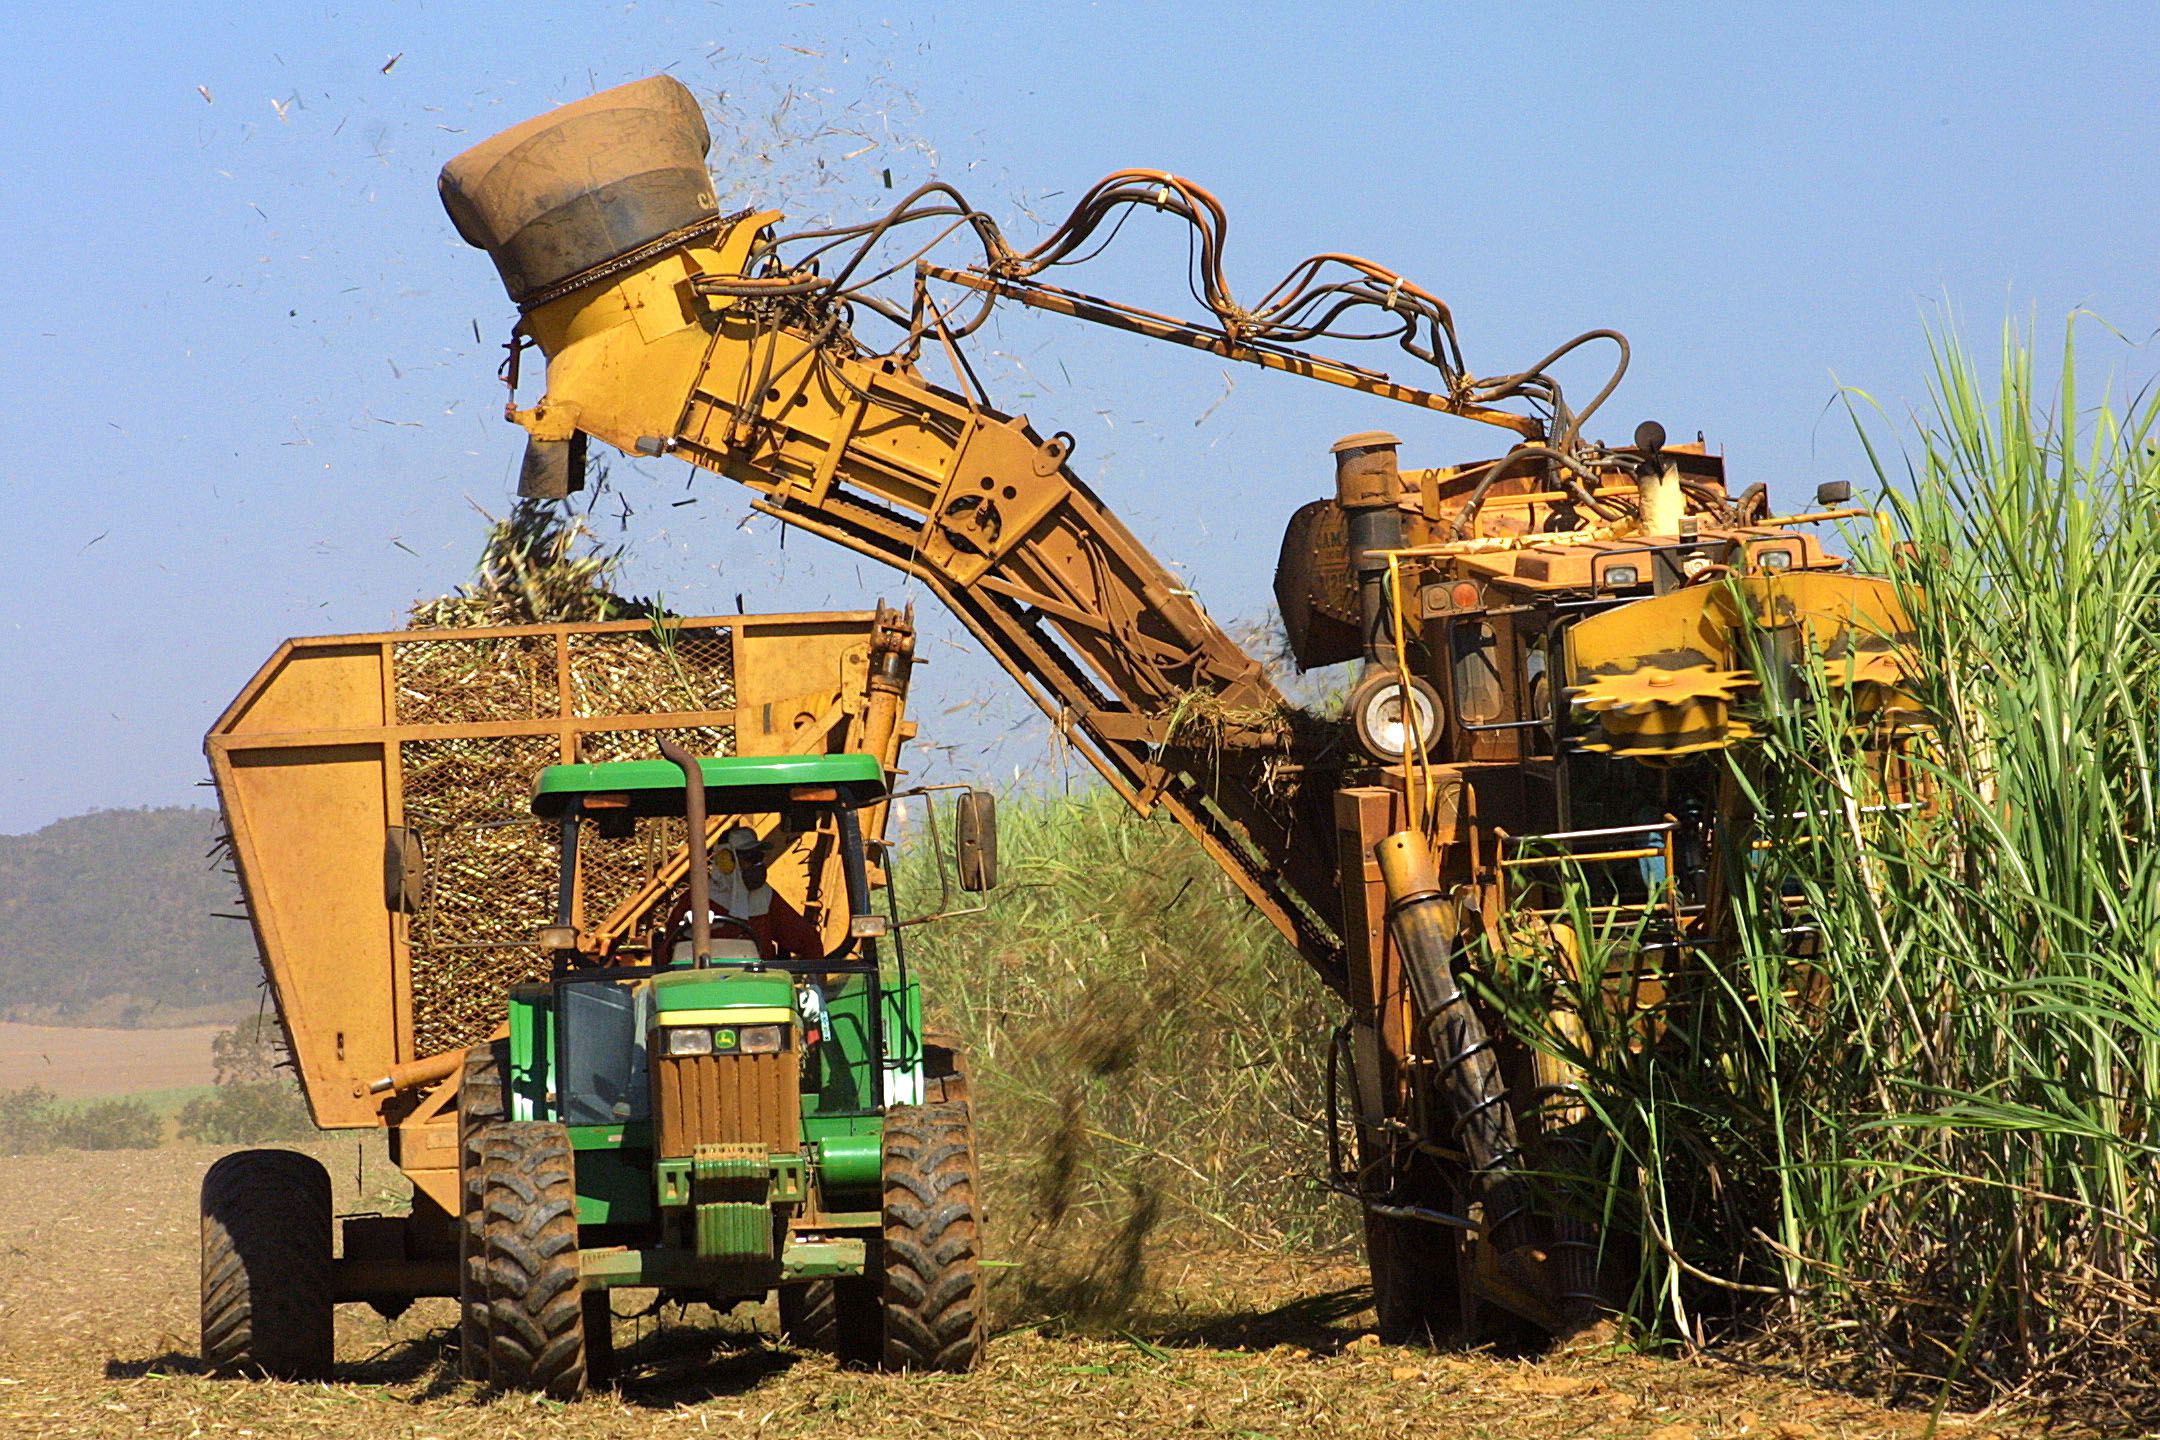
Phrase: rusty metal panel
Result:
[1315,591]
[727,1099]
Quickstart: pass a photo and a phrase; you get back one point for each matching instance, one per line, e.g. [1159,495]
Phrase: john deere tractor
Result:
[724,1110]
[725,1121]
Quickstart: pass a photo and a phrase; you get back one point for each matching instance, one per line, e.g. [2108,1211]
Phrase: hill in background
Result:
[106,919]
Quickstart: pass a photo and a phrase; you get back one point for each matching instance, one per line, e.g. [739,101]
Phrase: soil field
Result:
[78,1060]
[98,1317]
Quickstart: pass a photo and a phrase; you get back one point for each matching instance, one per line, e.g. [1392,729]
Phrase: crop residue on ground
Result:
[97,1338]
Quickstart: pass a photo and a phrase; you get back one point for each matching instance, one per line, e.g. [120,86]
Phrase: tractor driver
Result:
[744,907]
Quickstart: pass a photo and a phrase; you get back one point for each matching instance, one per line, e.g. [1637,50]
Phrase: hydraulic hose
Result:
[1469,1080]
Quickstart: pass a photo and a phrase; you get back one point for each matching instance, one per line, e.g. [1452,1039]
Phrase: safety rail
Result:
[1668,891]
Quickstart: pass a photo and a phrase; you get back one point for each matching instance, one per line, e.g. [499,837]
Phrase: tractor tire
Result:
[843,1318]
[932,1247]
[267,1288]
[1416,1281]
[944,1070]
[529,1251]
[807,1316]
[481,1102]
[600,1360]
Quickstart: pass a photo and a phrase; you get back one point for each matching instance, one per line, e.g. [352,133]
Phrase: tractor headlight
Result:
[759,1039]
[687,1040]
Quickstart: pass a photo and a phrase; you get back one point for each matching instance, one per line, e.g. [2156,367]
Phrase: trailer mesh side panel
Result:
[620,673]
[491,867]
[490,881]
[453,680]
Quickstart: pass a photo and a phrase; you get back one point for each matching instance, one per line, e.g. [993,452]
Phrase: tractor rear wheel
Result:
[807,1315]
[932,1246]
[844,1318]
[480,1103]
[267,1290]
[944,1069]
[529,1251]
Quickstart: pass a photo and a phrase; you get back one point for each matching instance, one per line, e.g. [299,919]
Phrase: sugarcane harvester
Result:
[1553,646]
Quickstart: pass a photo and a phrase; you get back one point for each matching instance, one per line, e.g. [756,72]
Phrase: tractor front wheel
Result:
[267,1289]
[807,1316]
[843,1318]
[932,1246]
[529,1253]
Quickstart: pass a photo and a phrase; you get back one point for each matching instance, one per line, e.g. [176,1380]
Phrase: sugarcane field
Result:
[722,724]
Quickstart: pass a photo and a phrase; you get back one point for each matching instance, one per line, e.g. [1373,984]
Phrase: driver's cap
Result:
[741,839]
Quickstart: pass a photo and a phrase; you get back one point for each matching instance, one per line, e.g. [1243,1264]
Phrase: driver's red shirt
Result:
[781,933]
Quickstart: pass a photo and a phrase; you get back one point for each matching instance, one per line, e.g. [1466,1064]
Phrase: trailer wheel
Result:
[480,1104]
[529,1251]
[267,1288]
[932,1243]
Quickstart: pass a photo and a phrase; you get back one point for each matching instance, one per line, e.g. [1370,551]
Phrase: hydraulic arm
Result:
[714,339]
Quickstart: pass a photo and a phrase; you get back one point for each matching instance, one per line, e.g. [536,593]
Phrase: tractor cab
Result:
[784,975]
[787,879]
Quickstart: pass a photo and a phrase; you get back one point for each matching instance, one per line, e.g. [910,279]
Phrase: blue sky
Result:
[245,399]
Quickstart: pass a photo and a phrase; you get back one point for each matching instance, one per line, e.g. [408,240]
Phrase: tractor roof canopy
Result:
[737,783]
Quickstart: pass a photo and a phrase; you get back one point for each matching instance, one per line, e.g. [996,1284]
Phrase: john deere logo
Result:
[723,1039]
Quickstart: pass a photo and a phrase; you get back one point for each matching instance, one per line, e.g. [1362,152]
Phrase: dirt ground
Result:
[71,1061]
[97,1337]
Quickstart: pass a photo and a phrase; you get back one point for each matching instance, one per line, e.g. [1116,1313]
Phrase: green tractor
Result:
[726,1119]
[743,1103]
[730,1119]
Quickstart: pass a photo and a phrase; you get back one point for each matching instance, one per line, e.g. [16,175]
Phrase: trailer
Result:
[445,837]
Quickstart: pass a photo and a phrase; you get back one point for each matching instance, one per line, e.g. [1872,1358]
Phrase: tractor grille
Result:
[727,1099]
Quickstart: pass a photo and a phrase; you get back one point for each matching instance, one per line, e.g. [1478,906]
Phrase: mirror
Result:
[404,870]
[976,844]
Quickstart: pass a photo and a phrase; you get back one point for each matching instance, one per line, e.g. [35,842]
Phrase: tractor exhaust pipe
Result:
[700,853]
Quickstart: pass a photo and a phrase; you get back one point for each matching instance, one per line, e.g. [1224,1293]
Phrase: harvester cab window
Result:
[1478,699]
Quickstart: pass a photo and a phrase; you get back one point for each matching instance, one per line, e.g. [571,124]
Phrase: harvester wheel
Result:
[267,1289]
[1417,1292]
[480,1103]
[529,1250]
[932,1242]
